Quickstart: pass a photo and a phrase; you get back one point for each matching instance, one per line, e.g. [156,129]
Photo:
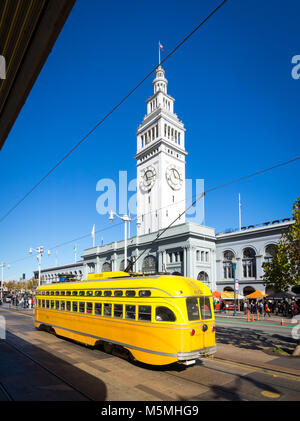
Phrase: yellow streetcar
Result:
[158,319]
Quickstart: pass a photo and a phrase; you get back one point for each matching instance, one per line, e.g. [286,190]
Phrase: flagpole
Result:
[158,52]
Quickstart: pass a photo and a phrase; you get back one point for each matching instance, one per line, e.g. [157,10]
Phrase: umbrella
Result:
[256,294]
[216,294]
[281,295]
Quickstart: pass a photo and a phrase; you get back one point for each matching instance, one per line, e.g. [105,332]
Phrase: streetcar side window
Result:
[74,292]
[52,304]
[81,307]
[107,293]
[205,308]
[145,293]
[52,292]
[56,305]
[118,293]
[68,293]
[62,293]
[98,293]
[43,303]
[192,309]
[81,293]
[74,306]
[98,309]
[89,293]
[118,310]
[107,309]
[144,313]
[47,303]
[89,307]
[164,314]
[57,293]
[62,305]
[47,292]
[130,312]
[130,293]
[68,306]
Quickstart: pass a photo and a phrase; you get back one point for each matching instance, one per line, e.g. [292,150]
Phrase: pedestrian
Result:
[294,308]
[267,310]
[245,307]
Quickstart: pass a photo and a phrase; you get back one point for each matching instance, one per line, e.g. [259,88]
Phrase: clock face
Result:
[174,178]
[148,178]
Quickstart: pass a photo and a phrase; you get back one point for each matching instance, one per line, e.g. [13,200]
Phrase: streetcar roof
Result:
[171,284]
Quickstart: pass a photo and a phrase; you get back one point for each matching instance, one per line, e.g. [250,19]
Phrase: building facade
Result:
[185,248]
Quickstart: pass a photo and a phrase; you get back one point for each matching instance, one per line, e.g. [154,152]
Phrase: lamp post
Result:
[125,219]
[234,268]
[40,251]
[2,279]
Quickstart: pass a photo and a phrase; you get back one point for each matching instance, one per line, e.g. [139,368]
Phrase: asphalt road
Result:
[36,365]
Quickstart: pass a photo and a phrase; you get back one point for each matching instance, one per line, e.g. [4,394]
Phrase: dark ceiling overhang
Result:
[28,31]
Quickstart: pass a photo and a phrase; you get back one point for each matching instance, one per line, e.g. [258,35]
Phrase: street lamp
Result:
[234,268]
[40,251]
[2,279]
[125,219]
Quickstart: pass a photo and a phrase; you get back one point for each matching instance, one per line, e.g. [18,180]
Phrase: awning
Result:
[229,295]
[256,294]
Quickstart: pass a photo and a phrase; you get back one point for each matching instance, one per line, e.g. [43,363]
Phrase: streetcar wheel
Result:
[108,347]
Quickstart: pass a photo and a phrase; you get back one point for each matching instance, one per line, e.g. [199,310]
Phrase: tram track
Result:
[43,367]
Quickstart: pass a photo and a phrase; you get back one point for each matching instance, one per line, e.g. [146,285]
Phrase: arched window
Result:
[270,250]
[203,277]
[122,264]
[149,265]
[106,267]
[249,263]
[227,264]
[228,289]
[91,267]
[248,290]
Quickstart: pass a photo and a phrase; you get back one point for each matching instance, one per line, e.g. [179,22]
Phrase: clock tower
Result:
[160,161]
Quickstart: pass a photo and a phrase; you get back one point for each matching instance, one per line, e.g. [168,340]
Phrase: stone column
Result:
[184,261]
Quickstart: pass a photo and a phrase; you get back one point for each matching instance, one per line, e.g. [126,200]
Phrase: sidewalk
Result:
[259,359]
[242,316]
[262,358]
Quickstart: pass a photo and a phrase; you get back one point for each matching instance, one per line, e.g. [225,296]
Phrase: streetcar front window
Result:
[192,309]
[205,308]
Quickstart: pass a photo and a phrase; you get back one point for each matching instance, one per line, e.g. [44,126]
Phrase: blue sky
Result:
[233,89]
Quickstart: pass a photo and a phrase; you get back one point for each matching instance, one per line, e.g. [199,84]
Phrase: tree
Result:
[284,270]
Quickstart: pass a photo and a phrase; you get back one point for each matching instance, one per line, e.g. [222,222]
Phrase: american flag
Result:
[161,46]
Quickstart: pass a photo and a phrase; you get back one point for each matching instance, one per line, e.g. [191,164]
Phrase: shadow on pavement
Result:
[252,339]
[47,378]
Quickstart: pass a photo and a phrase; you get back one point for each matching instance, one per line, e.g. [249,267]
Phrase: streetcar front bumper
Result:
[194,355]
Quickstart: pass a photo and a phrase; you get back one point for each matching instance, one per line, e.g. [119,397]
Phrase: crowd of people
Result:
[283,308]
[20,300]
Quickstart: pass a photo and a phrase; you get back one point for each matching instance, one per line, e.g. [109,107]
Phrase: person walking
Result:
[245,307]
[267,310]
